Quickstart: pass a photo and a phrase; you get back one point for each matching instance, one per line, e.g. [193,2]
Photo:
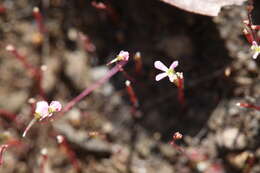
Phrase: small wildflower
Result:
[55,106]
[256,49]
[170,72]
[122,56]
[42,111]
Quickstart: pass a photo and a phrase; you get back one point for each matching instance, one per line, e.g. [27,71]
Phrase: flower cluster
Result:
[170,72]
[43,110]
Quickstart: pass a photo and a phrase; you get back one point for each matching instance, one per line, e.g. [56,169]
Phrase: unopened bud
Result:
[9,47]
[177,136]
[60,139]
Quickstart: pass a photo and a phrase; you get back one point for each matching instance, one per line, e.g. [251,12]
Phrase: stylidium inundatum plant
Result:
[42,111]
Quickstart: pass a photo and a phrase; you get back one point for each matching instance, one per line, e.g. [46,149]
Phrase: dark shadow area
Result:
[162,32]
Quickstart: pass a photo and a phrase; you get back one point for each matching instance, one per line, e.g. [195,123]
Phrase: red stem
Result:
[4,147]
[138,63]
[181,91]
[43,162]
[248,36]
[248,105]
[131,94]
[39,20]
[70,153]
[2,150]
[35,72]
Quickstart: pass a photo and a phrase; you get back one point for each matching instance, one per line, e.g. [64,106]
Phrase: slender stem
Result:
[70,153]
[88,90]
[35,72]
[248,105]
[181,91]
[43,162]
[250,8]
[131,93]
[2,150]
[32,122]
[7,145]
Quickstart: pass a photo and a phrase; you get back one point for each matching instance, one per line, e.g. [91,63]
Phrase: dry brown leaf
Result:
[204,7]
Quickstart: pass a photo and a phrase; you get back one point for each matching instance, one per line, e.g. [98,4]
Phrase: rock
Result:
[239,160]
[98,72]
[76,68]
[50,69]
[81,140]
[231,138]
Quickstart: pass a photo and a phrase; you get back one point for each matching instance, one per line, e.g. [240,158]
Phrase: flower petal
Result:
[160,76]
[254,43]
[42,108]
[174,64]
[55,106]
[123,55]
[159,65]
[255,55]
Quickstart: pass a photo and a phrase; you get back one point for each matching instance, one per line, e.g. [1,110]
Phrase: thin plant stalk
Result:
[32,122]
[100,82]
[181,91]
[70,153]
[44,160]
[35,72]
[248,105]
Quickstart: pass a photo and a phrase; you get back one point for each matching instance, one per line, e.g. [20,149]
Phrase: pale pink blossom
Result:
[42,109]
[170,72]
[123,55]
[55,106]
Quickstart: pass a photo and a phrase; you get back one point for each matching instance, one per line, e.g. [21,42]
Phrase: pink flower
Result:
[122,56]
[44,110]
[170,72]
[55,106]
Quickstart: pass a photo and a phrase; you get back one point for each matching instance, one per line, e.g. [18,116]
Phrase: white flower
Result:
[256,49]
[166,71]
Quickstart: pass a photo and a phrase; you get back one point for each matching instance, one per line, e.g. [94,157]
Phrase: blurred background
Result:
[70,42]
